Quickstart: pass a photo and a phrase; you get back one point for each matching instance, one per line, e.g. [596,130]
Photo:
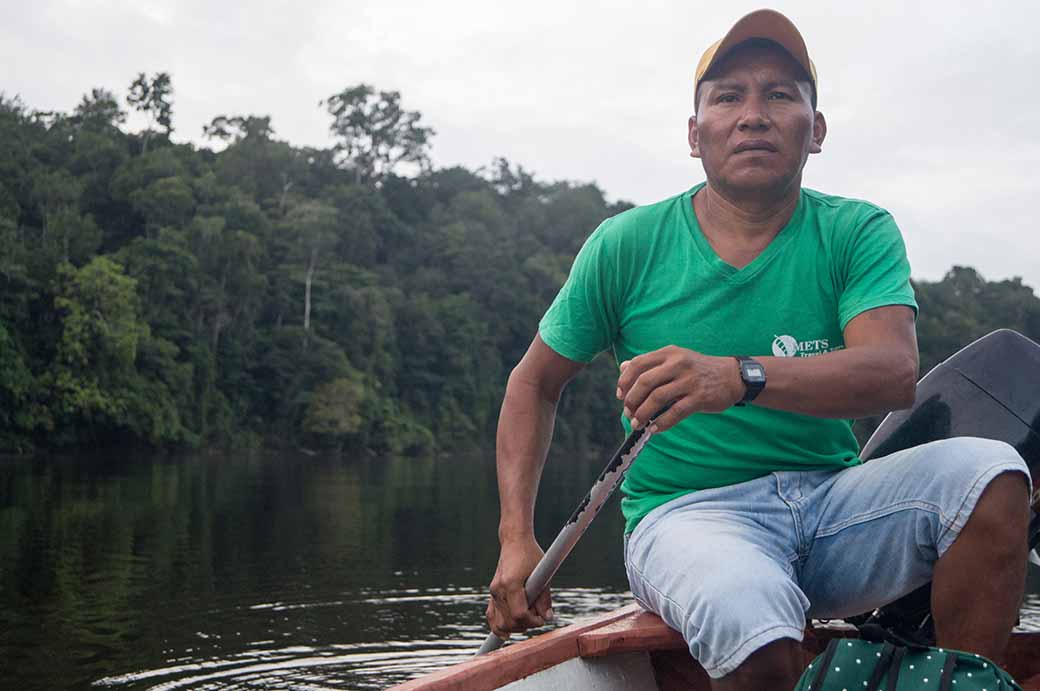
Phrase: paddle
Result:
[605,484]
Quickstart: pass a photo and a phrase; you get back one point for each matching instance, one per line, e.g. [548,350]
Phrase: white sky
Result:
[933,107]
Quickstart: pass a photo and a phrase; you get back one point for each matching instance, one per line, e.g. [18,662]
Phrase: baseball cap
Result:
[766,24]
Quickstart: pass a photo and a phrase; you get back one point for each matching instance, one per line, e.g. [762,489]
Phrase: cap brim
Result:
[772,26]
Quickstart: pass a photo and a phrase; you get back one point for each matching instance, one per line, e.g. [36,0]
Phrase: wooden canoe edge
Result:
[515,661]
[638,631]
[631,629]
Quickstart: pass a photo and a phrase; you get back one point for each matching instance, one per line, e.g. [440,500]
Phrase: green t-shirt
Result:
[648,278]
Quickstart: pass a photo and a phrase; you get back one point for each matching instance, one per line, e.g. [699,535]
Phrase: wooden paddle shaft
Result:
[605,484]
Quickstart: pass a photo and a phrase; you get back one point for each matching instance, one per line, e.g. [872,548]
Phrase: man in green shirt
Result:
[766,316]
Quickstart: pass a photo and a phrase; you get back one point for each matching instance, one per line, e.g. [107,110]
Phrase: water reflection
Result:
[272,572]
[369,665]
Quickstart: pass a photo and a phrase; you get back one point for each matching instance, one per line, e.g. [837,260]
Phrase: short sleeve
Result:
[877,272]
[583,319]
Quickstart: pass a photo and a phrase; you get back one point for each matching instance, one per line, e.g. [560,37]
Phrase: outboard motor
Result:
[989,389]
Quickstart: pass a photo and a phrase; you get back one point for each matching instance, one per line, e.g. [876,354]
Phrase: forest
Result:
[256,293]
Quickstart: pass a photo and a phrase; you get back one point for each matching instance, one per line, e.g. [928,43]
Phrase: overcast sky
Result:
[933,108]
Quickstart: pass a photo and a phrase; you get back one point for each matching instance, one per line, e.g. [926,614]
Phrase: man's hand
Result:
[507,610]
[686,380]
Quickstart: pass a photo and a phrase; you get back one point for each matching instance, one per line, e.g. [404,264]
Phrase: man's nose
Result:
[754,116]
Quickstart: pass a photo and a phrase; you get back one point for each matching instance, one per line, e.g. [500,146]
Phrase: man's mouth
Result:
[754,145]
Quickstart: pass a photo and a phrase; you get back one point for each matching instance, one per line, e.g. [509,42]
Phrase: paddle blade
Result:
[989,389]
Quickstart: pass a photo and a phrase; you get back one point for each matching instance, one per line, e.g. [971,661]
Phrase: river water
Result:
[263,571]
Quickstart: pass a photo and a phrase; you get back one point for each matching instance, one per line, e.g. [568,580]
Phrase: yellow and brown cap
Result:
[765,24]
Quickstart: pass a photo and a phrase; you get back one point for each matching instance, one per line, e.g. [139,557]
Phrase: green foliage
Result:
[238,128]
[963,307]
[16,385]
[100,332]
[289,295]
[100,110]
[98,308]
[334,411]
[375,134]
[154,97]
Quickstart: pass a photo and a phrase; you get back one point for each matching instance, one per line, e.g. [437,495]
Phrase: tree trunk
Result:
[311,266]
[286,186]
[219,322]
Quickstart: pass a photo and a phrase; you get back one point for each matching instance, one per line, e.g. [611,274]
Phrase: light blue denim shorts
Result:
[737,567]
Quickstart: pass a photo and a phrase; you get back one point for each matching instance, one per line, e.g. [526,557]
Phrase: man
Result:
[749,510]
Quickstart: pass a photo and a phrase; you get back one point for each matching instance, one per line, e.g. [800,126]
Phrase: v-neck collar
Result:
[721,266]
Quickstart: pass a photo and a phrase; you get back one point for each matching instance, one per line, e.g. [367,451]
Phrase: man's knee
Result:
[992,494]
[972,452]
[1001,515]
[735,612]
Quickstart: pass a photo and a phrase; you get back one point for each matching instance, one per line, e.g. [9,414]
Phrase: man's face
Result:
[755,125]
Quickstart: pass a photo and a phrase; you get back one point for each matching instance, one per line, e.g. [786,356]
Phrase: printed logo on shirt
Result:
[789,346]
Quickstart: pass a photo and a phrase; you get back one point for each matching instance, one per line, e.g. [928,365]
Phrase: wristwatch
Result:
[754,376]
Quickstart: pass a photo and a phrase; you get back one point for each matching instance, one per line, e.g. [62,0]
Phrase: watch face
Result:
[753,372]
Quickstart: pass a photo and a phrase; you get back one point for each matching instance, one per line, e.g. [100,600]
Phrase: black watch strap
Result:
[754,376]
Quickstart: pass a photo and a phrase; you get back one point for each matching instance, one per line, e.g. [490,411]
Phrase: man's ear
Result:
[819,133]
[695,151]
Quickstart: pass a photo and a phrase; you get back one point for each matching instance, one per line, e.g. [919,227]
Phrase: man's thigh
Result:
[876,530]
[718,567]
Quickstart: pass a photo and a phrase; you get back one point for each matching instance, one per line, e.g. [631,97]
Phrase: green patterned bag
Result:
[857,665]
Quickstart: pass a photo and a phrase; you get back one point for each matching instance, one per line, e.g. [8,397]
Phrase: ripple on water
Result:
[453,615]
[372,664]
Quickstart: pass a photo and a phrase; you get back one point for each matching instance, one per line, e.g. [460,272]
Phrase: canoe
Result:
[630,649]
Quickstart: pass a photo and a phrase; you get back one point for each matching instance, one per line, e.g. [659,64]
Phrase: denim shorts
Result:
[737,567]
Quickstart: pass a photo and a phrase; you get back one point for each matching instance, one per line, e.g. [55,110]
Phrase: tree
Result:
[16,385]
[99,110]
[99,340]
[334,411]
[232,285]
[963,306]
[237,128]
[375,134]
[369,230]
[165,202]
[154,98]
[254,162]
[315,225]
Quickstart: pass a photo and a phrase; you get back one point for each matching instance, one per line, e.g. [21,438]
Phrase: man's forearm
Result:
[525,428]
[875,373]
[857,382]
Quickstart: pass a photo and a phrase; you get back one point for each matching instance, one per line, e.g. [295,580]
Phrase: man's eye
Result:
[779,95]
[727,98]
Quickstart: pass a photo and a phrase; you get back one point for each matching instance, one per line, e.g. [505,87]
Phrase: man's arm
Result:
[525,427]
[875,373]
